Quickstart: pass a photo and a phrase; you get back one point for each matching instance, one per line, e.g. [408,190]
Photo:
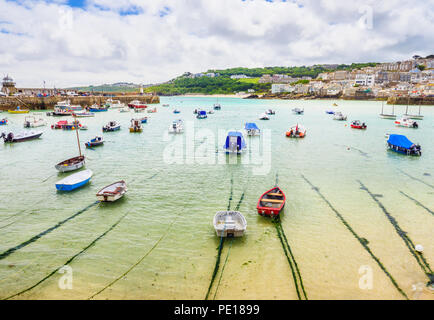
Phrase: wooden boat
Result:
[177,126]
[111,126]
[229,224]
[298,111]
[407,123]
[400,144]
[74,181]
[390,116]
[21,137]
[296,131]
[3,121]
[356,124]
[71,164]
[136,125]
[339,116]
[112,192]
[34,121]
[95,142]
[235,142]
[252,129]
[19,110]
[271,202]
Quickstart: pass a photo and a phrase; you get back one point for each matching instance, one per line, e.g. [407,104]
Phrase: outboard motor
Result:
[415,125]
[10,137]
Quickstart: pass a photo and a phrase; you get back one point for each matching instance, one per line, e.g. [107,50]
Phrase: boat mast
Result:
[76,131]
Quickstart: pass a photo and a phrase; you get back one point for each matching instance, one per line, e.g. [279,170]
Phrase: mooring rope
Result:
[43,233]
[223,269]
[362,241]
[231,193]
[417,202]
[408,242]
[216,266]
[417,179]
[70,259]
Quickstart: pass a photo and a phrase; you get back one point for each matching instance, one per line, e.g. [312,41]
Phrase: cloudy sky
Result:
[80,42]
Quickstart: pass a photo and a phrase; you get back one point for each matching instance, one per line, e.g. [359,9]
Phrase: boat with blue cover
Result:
[401,144]
[74,181]
[95,142]
[235,142]
[201,114]
[252,129]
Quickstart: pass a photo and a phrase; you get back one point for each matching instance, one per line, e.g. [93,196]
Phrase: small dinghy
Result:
[217,106]
[177,126]
[357,124]
[74,181]
[95,142]
[201,114]
[144,120]
[176,111]
[407,123]
[21,137]
[19,110]
[229,224]
[298,111]
[112,192]
[330,112]
[264,117]
[252,129]
[3,122]
[210,111]
[136,125]
[271,202]
[235,142]
[111,126]
[71,164]
[296,132]
[400,144]
[339,116]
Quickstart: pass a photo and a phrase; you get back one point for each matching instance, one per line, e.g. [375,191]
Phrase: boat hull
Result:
[277,196]
[18,111]
[65,167]
[70,187]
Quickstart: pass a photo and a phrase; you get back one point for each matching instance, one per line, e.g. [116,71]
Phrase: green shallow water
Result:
[171,201]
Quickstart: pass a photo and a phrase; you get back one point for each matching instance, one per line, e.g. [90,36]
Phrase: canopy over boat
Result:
[400,141]
[202,112]
[251,126]
[235,142]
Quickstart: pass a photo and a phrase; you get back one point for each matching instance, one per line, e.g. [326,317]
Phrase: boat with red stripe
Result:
[271,203]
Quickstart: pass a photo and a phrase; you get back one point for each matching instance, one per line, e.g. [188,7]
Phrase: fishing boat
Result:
[400,144]
[74,181]
[83,114]
[19,110]
[177,126]
[235,142]
[59,124]
[264,117]
[112,192]
[339,116]
[270,112]
[136,125]
[111,126]
[97,108]
[34,121]
[152,110]
[252,129]
[114,104]
[176,111]
[136,104]
[61,112]
[271,202]
[73,125]
[357,124]
[229,224]
[21,137]
[3,122]
[406,122]
[201,115]
[72,163]
[298,111]
[296,131]
[95,142]
[390,116]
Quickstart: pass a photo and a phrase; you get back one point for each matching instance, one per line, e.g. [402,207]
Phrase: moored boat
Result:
[235,142]
[74,181]
[95,142]
[390,116]
[18,110]
[59,124]
[271,202]
[217,106]
[112,192]
[3,121]
[201,114]
[252,129]
[339,116]
[229,224]
[401,144]
[298,111]
[296,131]
[97,108]
[83,114]
[136,125]
[111,126]
[20,137]
[264,117]
[270,112]
[357,124]
[177,126]
[34,121]
[136,104]
[152,110]
[71,164]
[176,111]
[330,112]
[406,122]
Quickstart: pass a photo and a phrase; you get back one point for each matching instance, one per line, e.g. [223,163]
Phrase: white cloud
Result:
[48,40]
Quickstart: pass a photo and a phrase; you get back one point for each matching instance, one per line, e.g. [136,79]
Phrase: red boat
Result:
[358,125]
[136,104]
[271,202]
[59,124]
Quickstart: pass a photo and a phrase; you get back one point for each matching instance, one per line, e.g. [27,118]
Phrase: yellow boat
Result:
[19,110]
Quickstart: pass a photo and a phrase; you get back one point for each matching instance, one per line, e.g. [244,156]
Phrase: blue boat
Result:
[400,143]
[252,129]
[97,141]
[3,121]
[201,114]
[176,111]
[111,126]
[74,181]
[330,112]
[235,142]
[144,120]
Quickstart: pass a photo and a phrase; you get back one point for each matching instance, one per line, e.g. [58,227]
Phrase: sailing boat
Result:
[391,116]
[413,116]
[73,163]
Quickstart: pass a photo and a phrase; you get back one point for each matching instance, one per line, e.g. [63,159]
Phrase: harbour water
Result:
[343,187]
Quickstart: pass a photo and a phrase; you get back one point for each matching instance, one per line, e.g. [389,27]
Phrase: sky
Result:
[80,42]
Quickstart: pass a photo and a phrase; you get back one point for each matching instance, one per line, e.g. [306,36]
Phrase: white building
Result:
[281,87]
[367,80]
